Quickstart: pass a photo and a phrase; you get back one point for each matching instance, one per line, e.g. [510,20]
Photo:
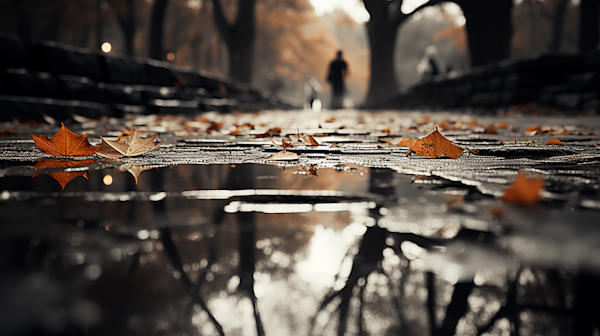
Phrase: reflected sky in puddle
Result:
[174,249]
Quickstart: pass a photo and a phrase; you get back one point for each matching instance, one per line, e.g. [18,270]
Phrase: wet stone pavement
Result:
[208,236]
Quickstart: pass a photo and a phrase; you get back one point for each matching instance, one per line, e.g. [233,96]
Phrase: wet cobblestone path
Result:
[206,234]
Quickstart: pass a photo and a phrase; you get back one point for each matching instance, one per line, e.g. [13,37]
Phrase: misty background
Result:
[295,39]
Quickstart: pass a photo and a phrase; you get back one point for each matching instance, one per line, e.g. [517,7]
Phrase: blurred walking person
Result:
[336,75]
[427,67]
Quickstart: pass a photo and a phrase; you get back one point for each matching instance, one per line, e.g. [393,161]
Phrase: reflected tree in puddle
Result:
[140,266]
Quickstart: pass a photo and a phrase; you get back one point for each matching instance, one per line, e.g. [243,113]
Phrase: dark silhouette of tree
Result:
[489,29]
[558,24]
[239,37]
[589,25]
[157,20]
[382,30]
[125,14]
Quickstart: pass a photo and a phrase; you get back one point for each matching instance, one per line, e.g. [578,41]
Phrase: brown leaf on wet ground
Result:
[490,130]
[284,156]
[305,139]
[554,142]
[127,145]
[501,125]
[270,133]
[64,143]
[524,191]
[284,144]
[214,127]
[435,145]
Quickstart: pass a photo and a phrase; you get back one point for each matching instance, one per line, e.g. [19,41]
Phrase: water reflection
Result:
[221,250]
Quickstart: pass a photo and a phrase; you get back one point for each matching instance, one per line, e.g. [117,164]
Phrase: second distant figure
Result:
[336,75]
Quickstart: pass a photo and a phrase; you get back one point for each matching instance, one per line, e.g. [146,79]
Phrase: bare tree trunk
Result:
[489,29]
[157,20]
[589,25]
[558,25]
[239,38]
[382,30]
[127,23]
[382,41]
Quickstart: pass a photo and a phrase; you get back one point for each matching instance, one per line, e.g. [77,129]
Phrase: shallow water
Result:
[259,249]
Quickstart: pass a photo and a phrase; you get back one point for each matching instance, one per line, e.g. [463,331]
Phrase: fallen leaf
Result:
[284,156]
[533,130]
[214,126]
[306,139]
[490,130]
[64,143]
[436,145]
[62,177]
[448,125]
[270,133]
[7,132]
[239,129]
[501,125]
[127,145]
[284,144]
[309,140]
[554,142]
[524,191]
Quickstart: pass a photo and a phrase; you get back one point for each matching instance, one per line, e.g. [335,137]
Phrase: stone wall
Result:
[52,79]
[565,82]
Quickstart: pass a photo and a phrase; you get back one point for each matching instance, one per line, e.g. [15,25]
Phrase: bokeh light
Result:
[108,179]
[171,56]
[106,47]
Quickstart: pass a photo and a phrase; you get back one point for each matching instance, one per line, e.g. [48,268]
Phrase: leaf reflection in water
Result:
[62,177]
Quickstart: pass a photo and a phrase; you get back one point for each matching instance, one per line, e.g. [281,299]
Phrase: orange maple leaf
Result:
[62,177]
[436,145]
[524,191]
[64,143]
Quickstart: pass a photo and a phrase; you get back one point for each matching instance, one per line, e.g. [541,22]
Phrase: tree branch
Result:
[427,4]
[457,308]
[173,255]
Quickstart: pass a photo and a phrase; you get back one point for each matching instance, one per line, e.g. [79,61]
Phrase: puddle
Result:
[264,250]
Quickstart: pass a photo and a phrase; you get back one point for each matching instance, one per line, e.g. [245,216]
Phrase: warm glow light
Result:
[108,180]
[171,56]
[106,47]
